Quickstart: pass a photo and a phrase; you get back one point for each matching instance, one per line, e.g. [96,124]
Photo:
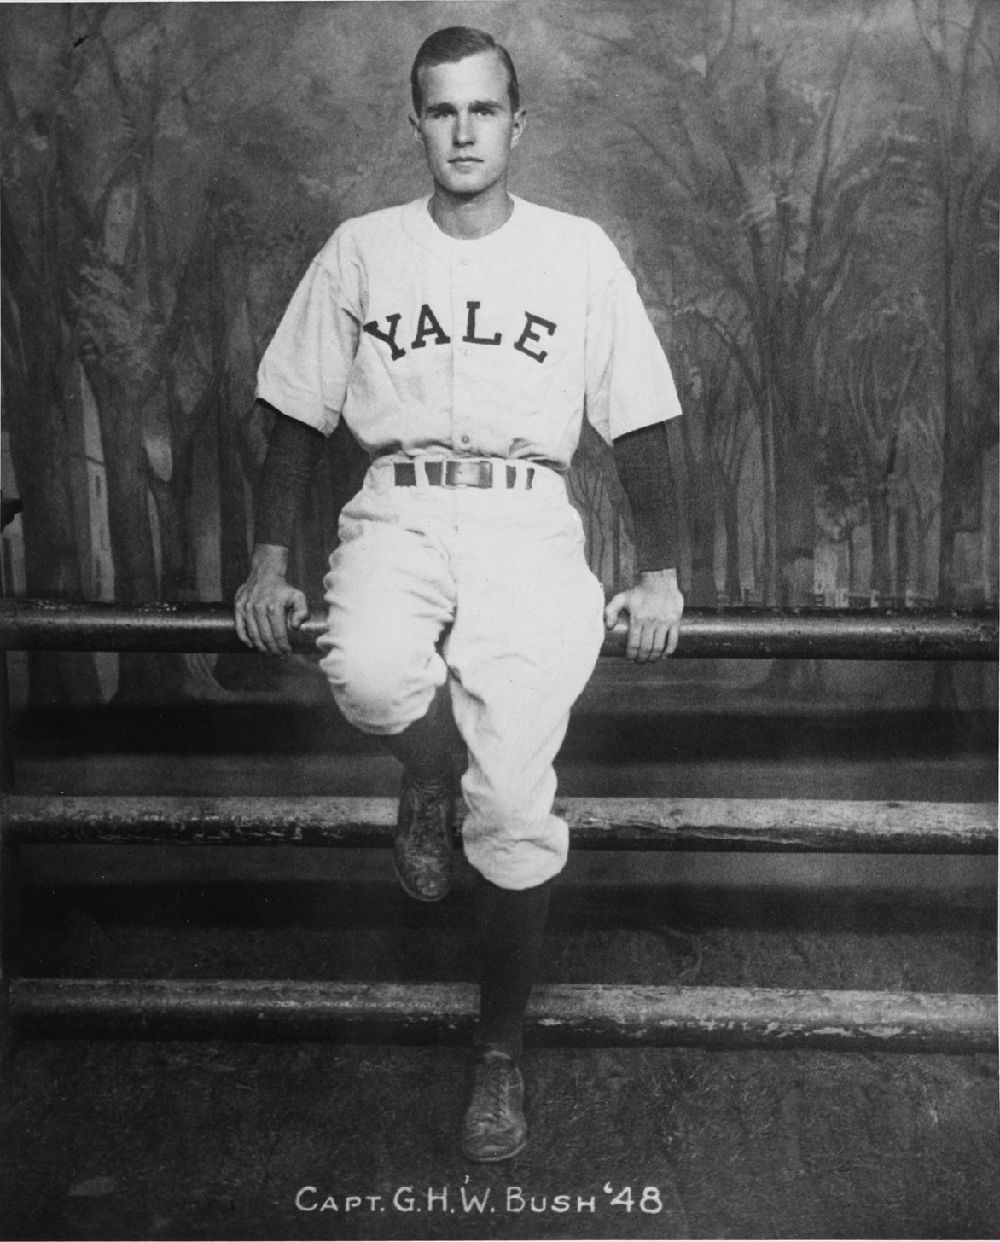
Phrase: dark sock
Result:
[430,746]
[511,931]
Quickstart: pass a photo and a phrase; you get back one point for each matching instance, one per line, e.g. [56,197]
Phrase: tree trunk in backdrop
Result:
[795,517]
[35,363]
[880,516]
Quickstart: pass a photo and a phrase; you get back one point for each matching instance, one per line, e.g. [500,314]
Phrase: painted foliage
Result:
[806,191]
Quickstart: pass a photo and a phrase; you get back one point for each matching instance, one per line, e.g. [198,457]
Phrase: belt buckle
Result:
[471,473]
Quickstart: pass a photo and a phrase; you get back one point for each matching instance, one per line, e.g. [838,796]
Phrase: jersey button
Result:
[465,439]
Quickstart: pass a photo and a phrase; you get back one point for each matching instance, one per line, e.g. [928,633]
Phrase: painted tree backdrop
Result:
[806,190]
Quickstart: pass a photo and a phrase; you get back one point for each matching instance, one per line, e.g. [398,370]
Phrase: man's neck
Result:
[472,217]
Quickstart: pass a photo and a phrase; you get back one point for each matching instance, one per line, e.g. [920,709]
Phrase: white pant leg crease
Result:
[527,634]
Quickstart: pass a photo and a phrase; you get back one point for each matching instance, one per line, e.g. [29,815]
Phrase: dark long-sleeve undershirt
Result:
[292,453]
[644,472]
[640,459]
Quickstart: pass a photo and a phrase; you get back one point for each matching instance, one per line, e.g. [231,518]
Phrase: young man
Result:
[463,337]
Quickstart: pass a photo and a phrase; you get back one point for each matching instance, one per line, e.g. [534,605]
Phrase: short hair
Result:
[455,43]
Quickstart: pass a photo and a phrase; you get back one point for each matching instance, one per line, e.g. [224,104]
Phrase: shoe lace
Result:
[493,1086]
[431,787]
[430,792]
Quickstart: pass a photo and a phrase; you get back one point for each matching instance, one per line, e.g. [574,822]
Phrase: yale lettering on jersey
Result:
[429,330]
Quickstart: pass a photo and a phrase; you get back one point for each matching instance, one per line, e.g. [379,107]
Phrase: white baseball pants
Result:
[487,589]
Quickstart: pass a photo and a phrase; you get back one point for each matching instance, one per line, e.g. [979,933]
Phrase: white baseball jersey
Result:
[494,347]
[432,346]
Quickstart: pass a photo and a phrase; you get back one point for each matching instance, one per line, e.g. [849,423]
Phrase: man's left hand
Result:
[655,607]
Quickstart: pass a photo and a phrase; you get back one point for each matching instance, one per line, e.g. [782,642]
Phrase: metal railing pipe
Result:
[733,633]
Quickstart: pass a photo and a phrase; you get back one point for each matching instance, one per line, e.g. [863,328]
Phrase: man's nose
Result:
[463,129]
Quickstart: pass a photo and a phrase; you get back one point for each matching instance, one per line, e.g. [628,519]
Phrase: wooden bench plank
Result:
[561,1013]
[775,825]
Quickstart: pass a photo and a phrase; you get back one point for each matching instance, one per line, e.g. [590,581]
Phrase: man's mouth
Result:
[465,159]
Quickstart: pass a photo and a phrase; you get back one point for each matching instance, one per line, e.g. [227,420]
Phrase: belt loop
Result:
[463,472]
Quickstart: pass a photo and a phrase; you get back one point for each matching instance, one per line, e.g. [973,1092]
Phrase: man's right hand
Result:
[266,605]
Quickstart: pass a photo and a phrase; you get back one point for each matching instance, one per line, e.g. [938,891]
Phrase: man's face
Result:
[466,125]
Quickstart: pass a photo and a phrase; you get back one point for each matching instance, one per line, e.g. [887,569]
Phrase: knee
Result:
[365,683]
[380,688]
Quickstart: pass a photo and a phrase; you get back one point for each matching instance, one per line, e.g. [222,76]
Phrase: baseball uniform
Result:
[465,368]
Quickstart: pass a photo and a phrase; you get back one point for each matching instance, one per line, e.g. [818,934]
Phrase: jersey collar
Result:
[419,225]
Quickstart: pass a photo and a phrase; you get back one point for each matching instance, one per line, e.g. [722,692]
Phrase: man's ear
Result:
[415,127]
[520,121]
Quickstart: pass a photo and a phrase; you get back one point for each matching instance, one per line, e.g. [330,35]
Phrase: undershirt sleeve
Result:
[644,472]
[292,453]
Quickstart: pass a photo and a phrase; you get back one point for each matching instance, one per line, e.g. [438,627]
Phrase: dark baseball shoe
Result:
[494,1127]
[425,835]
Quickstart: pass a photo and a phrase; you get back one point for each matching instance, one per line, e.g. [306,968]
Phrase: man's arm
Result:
[655,604]
[266,604]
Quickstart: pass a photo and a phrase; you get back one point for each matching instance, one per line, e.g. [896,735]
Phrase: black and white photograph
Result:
[499,619]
